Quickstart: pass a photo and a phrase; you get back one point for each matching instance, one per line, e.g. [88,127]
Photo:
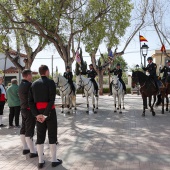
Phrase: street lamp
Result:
[137,67]
[144,49]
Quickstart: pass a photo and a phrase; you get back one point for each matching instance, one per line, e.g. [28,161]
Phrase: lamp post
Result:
[144,50]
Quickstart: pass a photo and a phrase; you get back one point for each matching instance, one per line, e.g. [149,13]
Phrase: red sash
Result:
[2,97]
[43,105]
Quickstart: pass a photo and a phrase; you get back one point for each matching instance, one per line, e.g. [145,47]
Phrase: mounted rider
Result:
[151,69]
[91,73]
[117,71]
[166,71]
[69,76]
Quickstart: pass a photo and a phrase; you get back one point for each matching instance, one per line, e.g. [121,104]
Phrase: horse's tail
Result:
[159,101]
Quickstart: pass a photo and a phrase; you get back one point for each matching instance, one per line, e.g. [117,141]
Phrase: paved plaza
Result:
[102,141]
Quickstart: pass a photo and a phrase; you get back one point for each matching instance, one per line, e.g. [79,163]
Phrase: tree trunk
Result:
[100,76]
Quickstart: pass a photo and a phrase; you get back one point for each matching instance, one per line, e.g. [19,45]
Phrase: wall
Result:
[8,63]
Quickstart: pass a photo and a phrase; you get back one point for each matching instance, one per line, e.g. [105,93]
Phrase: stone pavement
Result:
[102,141]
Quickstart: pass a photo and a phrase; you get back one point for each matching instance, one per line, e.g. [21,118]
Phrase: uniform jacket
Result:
[42,96]
[117,72]
[23,92]
[166,71]
[68,76]
[91,73]
[12,96]
[151,68]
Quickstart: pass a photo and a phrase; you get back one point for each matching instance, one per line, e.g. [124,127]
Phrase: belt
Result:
[43,105]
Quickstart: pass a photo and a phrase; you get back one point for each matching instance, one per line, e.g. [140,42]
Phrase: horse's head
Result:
[115,81]
[135,78]
[56,80]
[79,81]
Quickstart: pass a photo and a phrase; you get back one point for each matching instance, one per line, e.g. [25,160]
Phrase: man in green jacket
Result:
[13,103]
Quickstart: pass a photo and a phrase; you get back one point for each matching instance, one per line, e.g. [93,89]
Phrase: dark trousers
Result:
[124,86]
[95,85]
[49,124]
[28,123]
[72,86]
[14,112]
[2,107]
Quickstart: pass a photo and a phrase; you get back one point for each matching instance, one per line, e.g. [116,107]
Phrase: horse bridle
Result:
[62,86]
[84,84]
[114,85]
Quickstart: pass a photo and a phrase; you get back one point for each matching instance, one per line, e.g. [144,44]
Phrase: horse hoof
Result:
[62,112]
[117,108]
[162,112]
[143,114]
[123,108]
[120,112]
[87,111]
[166,109]
[153,113]
[95,112]
[97,108]
[75,108]
[115,111]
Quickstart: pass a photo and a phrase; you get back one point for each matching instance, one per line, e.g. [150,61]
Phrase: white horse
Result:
[117,90]
[65,91]
[89,90]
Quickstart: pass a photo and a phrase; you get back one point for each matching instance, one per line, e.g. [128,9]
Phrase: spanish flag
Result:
[163,48]
[141,38]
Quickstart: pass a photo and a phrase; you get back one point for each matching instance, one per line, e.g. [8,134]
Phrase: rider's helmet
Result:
[118,64]
[149,58]
[90,65]
[68,67]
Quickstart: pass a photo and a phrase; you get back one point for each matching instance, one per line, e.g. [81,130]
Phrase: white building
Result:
[10,70]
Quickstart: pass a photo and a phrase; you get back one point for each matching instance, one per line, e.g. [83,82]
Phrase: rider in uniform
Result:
[166,71]
[92,74]
[117,71]
[69,76]
[151,68]
[41,101]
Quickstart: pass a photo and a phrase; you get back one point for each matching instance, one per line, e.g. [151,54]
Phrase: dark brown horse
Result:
[147,89]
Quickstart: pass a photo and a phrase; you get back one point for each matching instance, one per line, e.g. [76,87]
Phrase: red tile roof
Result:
[15,70]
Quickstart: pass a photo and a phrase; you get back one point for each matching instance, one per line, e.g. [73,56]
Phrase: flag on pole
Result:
[163,48]
[77,58]
[141,38]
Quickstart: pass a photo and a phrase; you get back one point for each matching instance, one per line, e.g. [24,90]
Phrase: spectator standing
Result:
[28,120]
[13,103]
[2,100]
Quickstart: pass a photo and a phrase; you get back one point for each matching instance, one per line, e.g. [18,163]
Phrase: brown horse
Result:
[147,89]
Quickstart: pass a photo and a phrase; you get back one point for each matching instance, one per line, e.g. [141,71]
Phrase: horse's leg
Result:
[119,101]
[93,102]
[115,103]
[62,106]
[74,101]
[144,104]
[162,103]
[123,95]
[97,100]
[87,101]
[68,104]
[152,110]
[167,102]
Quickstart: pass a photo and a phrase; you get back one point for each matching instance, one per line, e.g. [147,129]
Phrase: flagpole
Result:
[140,50]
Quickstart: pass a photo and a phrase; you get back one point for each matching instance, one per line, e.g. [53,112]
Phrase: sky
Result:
[132,52]
[131,56]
